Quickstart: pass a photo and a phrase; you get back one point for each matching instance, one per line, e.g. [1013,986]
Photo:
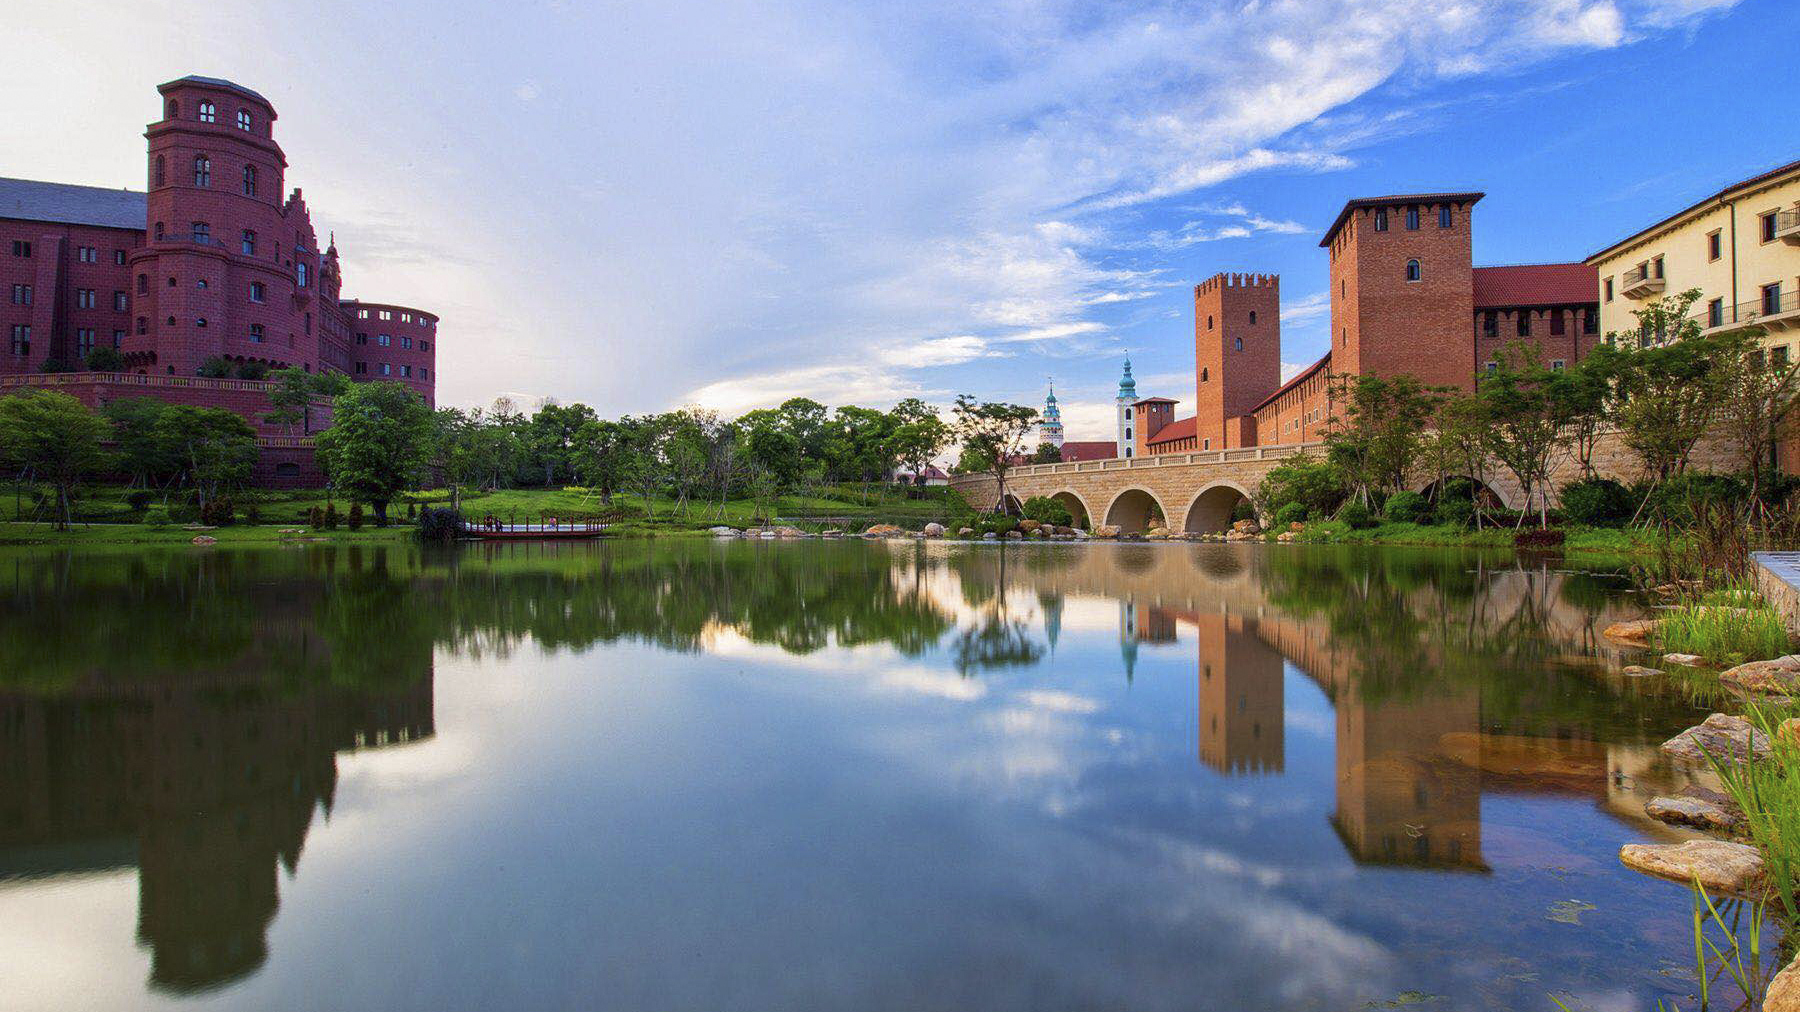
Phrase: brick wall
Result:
[1237,350]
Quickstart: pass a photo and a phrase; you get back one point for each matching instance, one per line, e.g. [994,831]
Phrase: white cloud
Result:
[527,91]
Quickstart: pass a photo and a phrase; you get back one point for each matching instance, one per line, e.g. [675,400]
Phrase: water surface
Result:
[673,776]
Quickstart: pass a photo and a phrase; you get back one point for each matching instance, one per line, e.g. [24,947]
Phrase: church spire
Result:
[1127,385]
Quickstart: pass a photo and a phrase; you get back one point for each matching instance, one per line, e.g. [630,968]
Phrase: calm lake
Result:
[827,775]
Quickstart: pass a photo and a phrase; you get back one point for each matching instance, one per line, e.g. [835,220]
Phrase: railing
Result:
[1238,455]
[1641,281]
[1746,313]
[1787,226]
[59,379]
[285,442]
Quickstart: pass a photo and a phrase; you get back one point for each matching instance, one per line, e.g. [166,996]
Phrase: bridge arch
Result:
[1132,509]
[1077,507]
[1495,495]
[1210,510]
[1011,505]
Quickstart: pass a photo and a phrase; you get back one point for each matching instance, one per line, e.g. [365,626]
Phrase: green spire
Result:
[1127,385]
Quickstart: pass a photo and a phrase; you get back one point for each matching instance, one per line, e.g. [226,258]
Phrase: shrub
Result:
[1356,514]
[1407,508]
[356,516]
[105,359]
[252,513]
[1599,502]
[140,500]
[440,524]
[315,517]
[998,523]
[1044,509]
[331,516]
[1459,511]
[156,515]
[251,370]
[217,513]
[1290,513]
[216,367]
[1243,511]
[1313,483]
[1681,499]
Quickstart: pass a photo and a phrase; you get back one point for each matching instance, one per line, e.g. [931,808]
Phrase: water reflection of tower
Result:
[1400,798]
[1052,607]
[1240,697]
[1142,625]
[216,783]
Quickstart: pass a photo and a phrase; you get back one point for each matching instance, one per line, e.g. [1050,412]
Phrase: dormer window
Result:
[243,120]
[1381,219]
[208,114]
[1413,271]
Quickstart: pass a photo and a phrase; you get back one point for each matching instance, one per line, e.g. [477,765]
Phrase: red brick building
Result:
[218,260]
[1405,298]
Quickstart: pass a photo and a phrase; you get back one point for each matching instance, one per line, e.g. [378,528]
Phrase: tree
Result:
[1666,390]
[295,390]
[147,459]
[993,435]
[105,359]
[858,444]
[1377,428]
[603,456]
[1047,453]
[215,449]
[550,438]
[1459,446]
[378,442]
[1524,419]
[54,437]
[1756,400]
[918,435]
[1584,393]
[462,449]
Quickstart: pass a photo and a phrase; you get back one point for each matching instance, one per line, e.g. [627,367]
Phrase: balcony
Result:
[1777,314]
[1641,283]
[1787,227]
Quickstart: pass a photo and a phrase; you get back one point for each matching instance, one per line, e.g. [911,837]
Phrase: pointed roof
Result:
[1127,385]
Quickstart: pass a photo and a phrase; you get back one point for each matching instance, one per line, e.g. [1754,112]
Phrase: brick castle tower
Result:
[1237,355]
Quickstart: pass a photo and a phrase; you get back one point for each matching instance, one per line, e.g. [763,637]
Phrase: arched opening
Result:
[1460,485]
[1011,506]
[1133,511]
[1210,512]
[1078,511]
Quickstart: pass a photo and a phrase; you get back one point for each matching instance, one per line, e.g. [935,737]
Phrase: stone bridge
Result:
[1194,492]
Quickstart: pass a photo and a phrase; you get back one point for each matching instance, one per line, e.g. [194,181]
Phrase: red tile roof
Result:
[1097,449]
[1535,285]
[1300,377]
[1393,200]
[1180,428]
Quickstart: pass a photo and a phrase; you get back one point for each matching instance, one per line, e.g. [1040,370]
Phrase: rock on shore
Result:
[1636,631]
[1709,811]
[1778,677]
[1720,736]
[1721,867]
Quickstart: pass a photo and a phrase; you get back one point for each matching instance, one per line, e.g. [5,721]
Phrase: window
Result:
[202,233]
[424,345]
[118,258]
[1715,313]
[21,295]
[200,283]
[1492,366]
[256,333]
[1381,220]
[362,367]
[406,371]
[385,341]
[208,114]
[1778,355]
[1253,317]
[405,342]
[362,339]
[118,339]
[1413,271]
[424,373]
[159,232]
[1656,268]
[1524,323]
[1590,322]
[405,317]
[84,298]
[21,249]
[1206,444]
[174,108]
[249,180]
[143,325]
[1238,344]
[1127,410]
[171,281]
[1490,323]
[121,302]
[202,170]
[388,370]
[87,254]
[1556,323]
[1712,246]
[362,314]
[386,315]
[243,119]
[200,321]
[256,291]
[1444,216]
[1205,374]
[1607,287]
[143,284]
[162,171]
[1412,219]
[84,342]
[300,274]
[1766,227]
[21,339]
[1556,365]
[1771,299]
[249,243]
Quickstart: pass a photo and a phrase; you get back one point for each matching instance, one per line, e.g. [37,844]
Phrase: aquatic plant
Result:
[1728,625]
[1769,794]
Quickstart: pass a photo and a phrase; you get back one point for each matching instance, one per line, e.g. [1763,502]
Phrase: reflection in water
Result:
[193,731]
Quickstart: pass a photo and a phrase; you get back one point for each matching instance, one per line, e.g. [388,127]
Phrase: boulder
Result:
[1288,536]
[1783,994]
[990,536]
[1720,736]
[883,531]
[767,535]
[789,532]
[1106,531]
[1636,631]
[1296,526]
[965,532]
[205,539]
[1685,660]
[1038,534]
[723,532]
[1014,536]
[831,532]
[1028,525]
[934,530]
[1710,811]
[1080,535]
[1780,676]
[1246,527]
[1638,671]
[1157,529]
[1721,867]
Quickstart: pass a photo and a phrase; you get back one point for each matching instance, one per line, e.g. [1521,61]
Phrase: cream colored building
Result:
[1740,247]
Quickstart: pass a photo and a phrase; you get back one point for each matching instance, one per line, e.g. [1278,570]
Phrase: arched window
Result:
[207,113]
[174,109]
[249,180]
[1381,220]
[244,120]
[159,231]
[1413,273]
[202,170]
[1204,375]
[1238,344]
[300,275]
[162,173]
[143,284]
[202,235]
[1252,319]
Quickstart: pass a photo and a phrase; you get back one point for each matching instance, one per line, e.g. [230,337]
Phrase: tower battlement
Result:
[1236,280]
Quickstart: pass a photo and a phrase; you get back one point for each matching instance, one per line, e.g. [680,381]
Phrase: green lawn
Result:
[26,533]
[1602,540]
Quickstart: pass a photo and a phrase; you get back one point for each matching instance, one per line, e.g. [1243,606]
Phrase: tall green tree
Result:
[55,438]
[462,449]
[1525,419]
[1756,402]
[993,436]
[215,448]
[1377,429]
[604,456]
[1666,391]
[296,390]
[378,443]
[917,434]
[147,459]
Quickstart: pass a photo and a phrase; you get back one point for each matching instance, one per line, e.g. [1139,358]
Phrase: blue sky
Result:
[646,205]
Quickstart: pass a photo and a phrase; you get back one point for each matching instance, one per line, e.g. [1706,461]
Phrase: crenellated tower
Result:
[1237,354]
